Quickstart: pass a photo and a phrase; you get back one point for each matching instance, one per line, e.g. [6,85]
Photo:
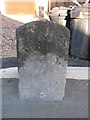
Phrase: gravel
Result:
[8,44]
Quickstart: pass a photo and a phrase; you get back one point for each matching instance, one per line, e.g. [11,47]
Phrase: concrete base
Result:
[43,77]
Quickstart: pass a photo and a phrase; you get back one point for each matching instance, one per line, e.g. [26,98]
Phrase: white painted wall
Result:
[2,7]
[43,3]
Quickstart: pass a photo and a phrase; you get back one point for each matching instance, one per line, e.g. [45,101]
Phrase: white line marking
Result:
[79,73]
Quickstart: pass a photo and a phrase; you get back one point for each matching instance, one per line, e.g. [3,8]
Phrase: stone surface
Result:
[42,48]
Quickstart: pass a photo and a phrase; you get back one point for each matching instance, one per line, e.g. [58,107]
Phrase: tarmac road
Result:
[74,105]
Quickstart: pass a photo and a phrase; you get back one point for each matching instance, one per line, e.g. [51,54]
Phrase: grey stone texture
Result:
[42,50]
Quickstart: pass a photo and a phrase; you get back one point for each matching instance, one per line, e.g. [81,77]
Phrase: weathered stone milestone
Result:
[42,49]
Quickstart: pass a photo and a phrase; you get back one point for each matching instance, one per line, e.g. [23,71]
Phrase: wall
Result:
[20,7]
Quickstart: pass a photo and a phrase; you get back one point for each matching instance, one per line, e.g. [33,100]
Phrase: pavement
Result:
[74,104]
